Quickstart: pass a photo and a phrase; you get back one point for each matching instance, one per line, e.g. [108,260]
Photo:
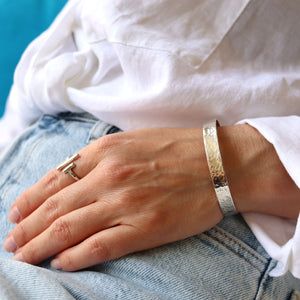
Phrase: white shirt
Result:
[153,63]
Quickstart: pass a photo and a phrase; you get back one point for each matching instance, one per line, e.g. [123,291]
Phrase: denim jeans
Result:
[226,262]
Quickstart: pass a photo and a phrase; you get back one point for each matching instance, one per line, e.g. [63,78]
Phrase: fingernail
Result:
[10,245]
[18,257]
[14,215]
[55,264]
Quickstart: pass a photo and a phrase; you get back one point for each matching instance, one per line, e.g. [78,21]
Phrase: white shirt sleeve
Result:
[280,237]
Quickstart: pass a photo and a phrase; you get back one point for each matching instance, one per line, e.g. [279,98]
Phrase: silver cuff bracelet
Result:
[216,168]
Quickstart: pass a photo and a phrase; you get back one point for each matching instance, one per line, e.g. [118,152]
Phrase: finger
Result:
[55,181]
[68,231]
[69,199]
[103,246]
[50,184]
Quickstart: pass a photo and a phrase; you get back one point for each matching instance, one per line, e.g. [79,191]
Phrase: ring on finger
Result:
[68,165]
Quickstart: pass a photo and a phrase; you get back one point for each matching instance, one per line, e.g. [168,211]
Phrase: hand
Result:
[139,189]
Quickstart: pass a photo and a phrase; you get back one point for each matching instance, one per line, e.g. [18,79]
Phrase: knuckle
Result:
[106,142]
[99,250]
[118,171]
[51,181]
[51,210]
[110,142]
[61,231]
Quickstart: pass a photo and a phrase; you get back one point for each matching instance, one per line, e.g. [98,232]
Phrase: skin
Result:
[141,189]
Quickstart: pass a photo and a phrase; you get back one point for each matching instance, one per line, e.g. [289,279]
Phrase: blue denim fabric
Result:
[226,262]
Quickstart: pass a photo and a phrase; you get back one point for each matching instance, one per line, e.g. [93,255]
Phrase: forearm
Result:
[257,178]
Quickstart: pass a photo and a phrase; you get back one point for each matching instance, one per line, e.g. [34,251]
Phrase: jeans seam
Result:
[263,280]
[239,255]
[239,244]
[91,137]
[105,128]
[235,252]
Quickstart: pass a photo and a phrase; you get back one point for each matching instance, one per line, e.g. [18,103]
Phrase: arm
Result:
[145,188]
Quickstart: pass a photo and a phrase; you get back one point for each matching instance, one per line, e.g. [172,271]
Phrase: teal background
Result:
[20,22]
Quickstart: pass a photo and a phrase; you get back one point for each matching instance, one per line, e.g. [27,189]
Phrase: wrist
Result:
[257,179]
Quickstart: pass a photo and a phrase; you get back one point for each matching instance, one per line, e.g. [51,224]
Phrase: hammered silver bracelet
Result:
[216,168]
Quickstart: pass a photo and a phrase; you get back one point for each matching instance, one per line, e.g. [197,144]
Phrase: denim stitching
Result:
[106,128]
[72,117]
[91,137]
[238,243]
[262,282]
[86,120]
[228,248]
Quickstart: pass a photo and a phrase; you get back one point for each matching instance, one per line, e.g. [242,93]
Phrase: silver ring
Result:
[67,165]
